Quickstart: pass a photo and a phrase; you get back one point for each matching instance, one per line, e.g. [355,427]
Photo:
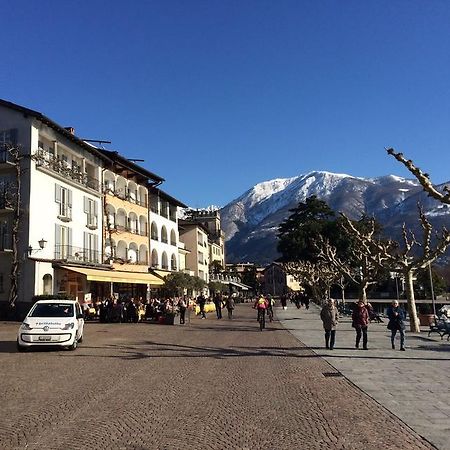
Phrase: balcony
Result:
[77,254]
[132,230]
[47,161]
[5,156]
[5,242]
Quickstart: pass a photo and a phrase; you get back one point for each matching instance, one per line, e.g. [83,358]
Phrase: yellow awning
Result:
[116,276]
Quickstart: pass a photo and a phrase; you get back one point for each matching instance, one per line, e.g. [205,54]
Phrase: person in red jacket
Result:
[360,322]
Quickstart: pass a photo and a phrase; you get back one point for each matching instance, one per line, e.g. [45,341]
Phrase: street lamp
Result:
[41,243]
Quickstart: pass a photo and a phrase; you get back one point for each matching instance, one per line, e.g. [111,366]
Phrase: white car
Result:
[52,323]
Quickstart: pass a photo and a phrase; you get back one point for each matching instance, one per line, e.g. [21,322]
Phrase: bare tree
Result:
[422,177]
[358,268]
[403,258]
[318,276]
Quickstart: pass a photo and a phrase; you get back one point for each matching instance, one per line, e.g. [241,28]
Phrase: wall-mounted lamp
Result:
[41,243]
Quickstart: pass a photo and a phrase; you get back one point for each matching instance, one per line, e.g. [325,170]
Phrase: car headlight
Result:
[68,326]
[25,326]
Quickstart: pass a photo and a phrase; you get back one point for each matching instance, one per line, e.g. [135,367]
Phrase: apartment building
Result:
[277,281]
[164,233]
[92,223]
[195,238]
[60,207]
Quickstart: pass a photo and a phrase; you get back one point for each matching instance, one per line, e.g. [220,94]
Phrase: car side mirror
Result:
[80,316]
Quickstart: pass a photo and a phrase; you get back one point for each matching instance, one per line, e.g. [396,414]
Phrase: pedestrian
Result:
[218,304]
[307,300]
[283,301]
[397,316]
[360,322]
[182,307]
[201,300]
[330,317]
[229,304]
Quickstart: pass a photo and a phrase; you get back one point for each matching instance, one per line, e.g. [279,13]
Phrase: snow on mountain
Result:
[251,221]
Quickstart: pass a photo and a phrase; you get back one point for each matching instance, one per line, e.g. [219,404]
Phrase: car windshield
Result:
[52,310]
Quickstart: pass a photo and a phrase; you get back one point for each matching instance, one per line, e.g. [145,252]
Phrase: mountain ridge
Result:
[251,220]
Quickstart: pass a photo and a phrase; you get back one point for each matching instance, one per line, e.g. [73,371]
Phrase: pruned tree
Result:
[318,276]
[355,265]
[422,177]
[404,257]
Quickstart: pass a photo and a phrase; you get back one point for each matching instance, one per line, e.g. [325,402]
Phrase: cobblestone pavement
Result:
[414,385]
[207,385]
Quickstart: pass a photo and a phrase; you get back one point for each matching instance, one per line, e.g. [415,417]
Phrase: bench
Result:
[440,326]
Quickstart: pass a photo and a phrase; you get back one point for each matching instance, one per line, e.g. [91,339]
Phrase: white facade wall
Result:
[161,247]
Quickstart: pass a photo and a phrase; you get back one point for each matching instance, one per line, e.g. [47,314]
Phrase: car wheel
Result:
[20,348]
[80,339]
[74,345]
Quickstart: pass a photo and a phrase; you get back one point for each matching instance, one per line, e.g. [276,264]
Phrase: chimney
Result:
[71,130]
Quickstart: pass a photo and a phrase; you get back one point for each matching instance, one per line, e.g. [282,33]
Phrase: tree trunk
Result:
[414,320]
[363,291]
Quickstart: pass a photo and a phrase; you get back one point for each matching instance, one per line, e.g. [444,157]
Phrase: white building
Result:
[61,203]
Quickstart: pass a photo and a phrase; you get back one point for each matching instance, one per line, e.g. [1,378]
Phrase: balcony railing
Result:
[48,161]
[132,230]
[77,254]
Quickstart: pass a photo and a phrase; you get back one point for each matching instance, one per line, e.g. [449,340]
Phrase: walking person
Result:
[201,300]
[182,308]
[397,316]
[360,322]
[229,304]
[330,317]
[218,304]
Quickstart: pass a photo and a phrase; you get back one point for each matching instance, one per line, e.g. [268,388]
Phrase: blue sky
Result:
[217,96]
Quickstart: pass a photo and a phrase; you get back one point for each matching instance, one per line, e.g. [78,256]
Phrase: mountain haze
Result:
[251,221]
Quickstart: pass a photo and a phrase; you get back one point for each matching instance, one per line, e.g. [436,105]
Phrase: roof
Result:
[125,165]
[166,196]
[60,129]
[183,224]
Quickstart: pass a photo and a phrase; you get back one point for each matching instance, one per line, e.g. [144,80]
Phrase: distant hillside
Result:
[251,221]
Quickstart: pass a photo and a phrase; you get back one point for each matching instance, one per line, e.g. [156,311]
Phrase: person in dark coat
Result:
[229,304]
[182,307]
[397,316]
[201,300]
[218,304]
[330,317]
[360,322]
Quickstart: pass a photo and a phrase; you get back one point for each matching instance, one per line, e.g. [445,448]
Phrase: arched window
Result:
[121,187]
[164,234]
[154,232]
[173,237]
[133,222]
[164,261]
[109,182]
[132,192]
[173,262]
[155,260]
[133,253]
[47,282]
[143,226]
[121,219]
[143,254]
[109,248]
[121,250]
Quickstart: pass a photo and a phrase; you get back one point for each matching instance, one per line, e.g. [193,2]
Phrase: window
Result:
[63,197]
[47,284]
[90,253]
[5,236]
[63,242]
[90,208]
[8,137]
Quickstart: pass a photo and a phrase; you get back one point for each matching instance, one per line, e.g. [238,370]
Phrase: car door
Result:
[80,320]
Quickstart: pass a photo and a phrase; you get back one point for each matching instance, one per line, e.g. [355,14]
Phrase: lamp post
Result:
[42,243]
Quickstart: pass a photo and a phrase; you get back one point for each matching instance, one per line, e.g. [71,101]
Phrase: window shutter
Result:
[86,205]
[57,241]
[95,243]
[69,196]
[69,238]
[95,208]
[57,193]
[85,241]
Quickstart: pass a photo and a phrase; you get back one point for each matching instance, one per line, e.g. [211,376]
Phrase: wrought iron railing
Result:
[48,161]
[77,254]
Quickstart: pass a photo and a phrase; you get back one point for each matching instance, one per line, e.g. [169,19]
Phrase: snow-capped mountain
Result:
[251,221]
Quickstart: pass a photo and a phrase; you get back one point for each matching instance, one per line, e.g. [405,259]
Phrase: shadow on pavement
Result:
[8,347]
